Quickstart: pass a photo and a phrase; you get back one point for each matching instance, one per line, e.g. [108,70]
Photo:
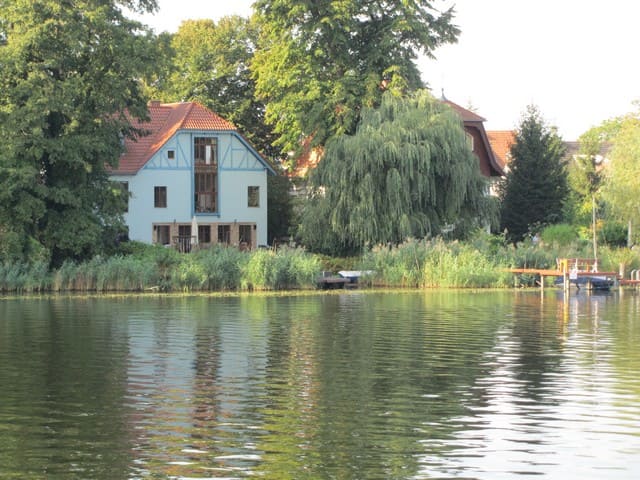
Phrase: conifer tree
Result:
[536,185]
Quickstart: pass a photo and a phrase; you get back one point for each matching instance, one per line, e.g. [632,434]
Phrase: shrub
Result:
[560,234]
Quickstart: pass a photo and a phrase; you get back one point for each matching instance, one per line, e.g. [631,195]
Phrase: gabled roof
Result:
[165,119]
[501,141]
[475,121]
[466,115]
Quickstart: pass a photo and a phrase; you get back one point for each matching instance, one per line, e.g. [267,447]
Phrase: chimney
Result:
[154,103]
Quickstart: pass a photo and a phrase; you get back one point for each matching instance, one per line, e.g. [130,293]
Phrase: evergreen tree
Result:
[536,185]
[68,73]
[406,172]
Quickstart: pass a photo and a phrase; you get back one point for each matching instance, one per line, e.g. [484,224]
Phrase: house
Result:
[502,141]
[490,165]
[193,178]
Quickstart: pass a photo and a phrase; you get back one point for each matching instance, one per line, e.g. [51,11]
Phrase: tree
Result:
[622,187]
[407,171]
[280,207]
[68,73]
[319,63]
[536,185]
[209,63]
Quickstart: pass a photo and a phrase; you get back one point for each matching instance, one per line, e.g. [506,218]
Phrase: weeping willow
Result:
[407,172]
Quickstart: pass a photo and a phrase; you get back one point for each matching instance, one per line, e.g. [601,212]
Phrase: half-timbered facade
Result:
[193,179]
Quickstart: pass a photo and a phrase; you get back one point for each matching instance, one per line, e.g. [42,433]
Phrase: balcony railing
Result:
[184,243]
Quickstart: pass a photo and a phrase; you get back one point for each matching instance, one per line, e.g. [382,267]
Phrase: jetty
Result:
[579,271]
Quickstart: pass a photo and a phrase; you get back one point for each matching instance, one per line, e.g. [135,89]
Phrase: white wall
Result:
[239,168]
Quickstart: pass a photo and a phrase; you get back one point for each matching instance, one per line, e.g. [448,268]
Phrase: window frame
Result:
[253,196]
[160,196]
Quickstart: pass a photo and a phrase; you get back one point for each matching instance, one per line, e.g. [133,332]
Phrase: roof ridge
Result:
[190,106]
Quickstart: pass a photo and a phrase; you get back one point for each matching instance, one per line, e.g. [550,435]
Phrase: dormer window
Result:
[469,140]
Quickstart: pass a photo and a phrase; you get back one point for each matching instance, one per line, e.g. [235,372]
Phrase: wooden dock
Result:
[571,269]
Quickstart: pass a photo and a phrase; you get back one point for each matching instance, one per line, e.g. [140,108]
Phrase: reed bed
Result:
[480,262]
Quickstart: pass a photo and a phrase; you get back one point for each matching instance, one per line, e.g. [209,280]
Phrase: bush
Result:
[613,234]
[560,234]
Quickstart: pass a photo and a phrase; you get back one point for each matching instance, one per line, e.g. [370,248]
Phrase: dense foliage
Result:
[68,72]
[208,62]
[536,184]
[406,172]
[622,187]
[318,63]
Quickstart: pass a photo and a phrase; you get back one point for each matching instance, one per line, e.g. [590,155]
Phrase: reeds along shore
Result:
[477,263]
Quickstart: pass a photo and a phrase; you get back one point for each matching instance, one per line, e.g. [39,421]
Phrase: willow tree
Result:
[318,63]
[68,73]
[407,171]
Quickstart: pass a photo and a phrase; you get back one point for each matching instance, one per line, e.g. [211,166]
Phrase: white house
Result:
[192,178]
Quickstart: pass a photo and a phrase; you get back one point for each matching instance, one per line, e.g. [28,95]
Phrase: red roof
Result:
[466,115]
[501,142]
[165,120]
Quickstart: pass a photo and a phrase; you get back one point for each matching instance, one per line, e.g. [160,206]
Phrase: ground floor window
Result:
[163,234]
[224,234]
[245,234]
[204,234]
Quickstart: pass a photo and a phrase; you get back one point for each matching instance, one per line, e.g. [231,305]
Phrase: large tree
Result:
[68,73]
[622,185]
[407,171]
[536,184]
[209,63]
[319,63]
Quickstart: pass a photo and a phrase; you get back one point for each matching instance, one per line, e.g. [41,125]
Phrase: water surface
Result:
[357,385]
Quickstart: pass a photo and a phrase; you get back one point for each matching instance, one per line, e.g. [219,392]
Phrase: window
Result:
[205,174]
[469,140]
[205,183]
[245,235]
[224,234]
[204,234]
[253,194]
[205,150]
[124,191]
[162,234]
[160,197]
[171,154]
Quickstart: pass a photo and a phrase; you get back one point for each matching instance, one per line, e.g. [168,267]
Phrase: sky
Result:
[576,61]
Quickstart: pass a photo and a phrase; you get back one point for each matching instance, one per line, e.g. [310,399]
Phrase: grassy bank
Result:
[478,263]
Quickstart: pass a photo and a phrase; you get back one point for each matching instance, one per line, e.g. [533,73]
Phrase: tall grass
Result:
[24,277]
[480,262]
[286,268]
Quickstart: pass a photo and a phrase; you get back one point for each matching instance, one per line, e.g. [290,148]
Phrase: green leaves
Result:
[320,63]
[69,72]
[536,185]
[406,172]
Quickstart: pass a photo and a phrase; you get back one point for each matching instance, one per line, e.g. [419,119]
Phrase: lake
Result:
[351,385]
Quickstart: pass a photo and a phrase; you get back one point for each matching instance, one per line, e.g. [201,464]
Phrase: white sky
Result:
[575,60]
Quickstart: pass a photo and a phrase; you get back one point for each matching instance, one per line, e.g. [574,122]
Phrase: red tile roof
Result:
[501,142]
[165,120]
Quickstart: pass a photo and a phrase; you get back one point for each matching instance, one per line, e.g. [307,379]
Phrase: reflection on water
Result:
[355,385]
